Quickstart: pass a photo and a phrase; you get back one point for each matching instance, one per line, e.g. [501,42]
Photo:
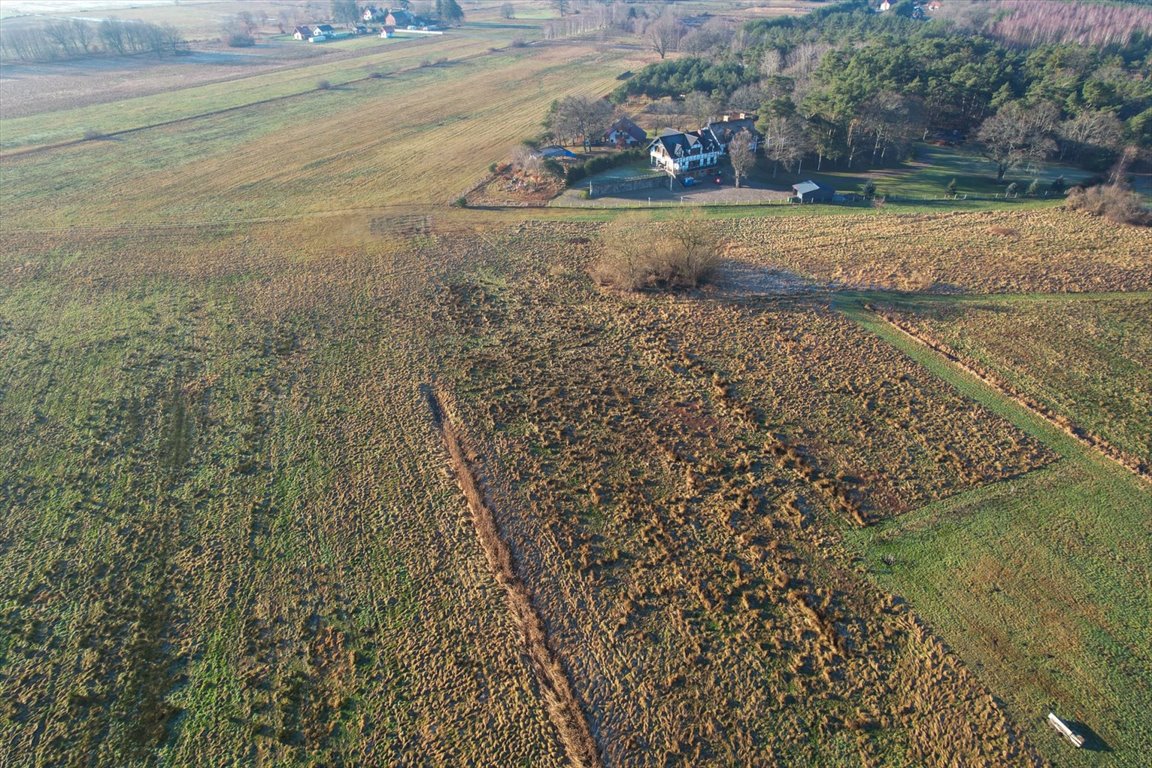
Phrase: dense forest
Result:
[850,86]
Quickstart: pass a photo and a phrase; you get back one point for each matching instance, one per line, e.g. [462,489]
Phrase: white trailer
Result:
[1062,728]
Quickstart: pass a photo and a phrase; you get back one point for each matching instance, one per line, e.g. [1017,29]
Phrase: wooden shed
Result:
[811,192]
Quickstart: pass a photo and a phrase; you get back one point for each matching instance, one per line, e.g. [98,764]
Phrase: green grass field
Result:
[1042,583]
[925,178]
[1084,360]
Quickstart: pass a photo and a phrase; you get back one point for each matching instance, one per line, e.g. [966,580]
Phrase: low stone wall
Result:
[606,187]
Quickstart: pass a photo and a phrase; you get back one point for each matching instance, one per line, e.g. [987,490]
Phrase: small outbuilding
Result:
[557,153]
[811,192]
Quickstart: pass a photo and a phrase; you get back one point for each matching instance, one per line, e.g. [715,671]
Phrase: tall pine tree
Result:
[449,12]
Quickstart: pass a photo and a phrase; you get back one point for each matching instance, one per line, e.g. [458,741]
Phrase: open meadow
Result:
[302,465]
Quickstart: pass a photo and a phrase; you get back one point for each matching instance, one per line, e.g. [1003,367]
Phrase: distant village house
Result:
[314,32]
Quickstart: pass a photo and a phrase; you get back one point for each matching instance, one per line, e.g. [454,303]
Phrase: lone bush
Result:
[1114,202]
[638,257]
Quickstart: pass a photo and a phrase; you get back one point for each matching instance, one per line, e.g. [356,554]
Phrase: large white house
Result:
[688,151]
[681,152]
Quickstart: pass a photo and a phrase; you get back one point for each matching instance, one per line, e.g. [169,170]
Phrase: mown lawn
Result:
[926,177]
[1042,584]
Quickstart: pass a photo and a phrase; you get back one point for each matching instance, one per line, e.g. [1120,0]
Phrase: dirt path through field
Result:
[555,688]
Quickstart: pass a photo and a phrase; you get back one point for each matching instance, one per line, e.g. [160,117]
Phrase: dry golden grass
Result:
[681,551]
[1081,363]
[229,533]
[1048,250]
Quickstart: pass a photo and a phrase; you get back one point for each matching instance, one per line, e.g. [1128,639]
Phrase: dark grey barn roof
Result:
[690,143]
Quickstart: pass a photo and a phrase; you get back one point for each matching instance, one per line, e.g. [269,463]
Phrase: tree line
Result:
[78,38]
[855,88]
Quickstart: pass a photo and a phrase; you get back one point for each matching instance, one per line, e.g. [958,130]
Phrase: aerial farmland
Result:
[339,425]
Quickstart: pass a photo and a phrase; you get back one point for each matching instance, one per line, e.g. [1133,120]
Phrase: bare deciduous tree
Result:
[663,34]
[579,117]
[1018,135]
[699,106]
[785,140]
[742,154]
[1092,128]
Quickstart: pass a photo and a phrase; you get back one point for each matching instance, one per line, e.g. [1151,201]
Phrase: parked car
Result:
[688,181]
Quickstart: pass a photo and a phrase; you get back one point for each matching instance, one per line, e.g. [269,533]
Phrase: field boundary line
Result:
[556,690]
[1096,444]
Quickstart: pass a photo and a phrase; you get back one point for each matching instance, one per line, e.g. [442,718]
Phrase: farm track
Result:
[1095,443]
[555,688]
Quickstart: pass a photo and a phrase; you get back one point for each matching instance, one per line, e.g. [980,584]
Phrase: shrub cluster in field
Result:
[639,256]
[1112,201]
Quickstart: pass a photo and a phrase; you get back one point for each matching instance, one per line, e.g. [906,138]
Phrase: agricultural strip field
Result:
[69,123]
[1042,584]
[345,149]
[30,89]
[1084,361]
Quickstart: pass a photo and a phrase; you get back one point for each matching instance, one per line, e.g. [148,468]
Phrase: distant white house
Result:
[314,32]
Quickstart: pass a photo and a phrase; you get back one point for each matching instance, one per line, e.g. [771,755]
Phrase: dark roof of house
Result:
[305,29]
[726,128]
[325,28]
[690,143]
[624,125]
